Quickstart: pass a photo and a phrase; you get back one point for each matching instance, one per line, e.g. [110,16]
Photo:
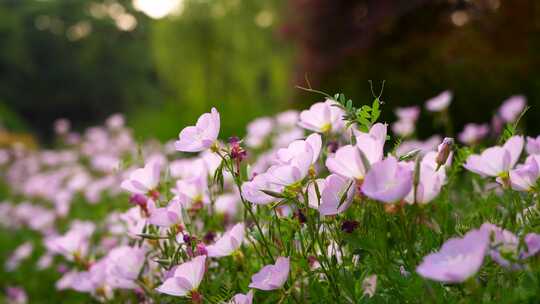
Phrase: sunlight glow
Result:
[158,9]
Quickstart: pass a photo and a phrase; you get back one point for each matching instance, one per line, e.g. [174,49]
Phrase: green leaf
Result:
[363,121]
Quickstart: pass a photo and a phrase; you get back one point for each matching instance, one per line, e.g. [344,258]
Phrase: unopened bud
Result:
[138,199]
[443,151]
[201,249]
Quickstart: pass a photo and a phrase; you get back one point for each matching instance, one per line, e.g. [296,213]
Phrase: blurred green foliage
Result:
[162,74]
[221,53]
[57,60]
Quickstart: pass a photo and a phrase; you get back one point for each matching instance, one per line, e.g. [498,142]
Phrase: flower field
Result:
[324,205]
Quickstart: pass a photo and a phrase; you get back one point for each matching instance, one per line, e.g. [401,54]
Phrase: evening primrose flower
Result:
[533,145]
[322,117]
[407,118]
[301,154]
[143,180]
[403,128]
[123,265]
[503,246]
[369,285]
[512,107]
[73,245]
[258,130]
[457,260]
[285,176]
[429,185]
[408,113]
[388,181]
[192,192]
[532,240]
[524,177]
[252,190]
[17,295]
[422,147]
[473,133]
[166,216]
[186,278]
[496,161]
[440,102]
[336,195]
[347,162]
[227,204]
[271,277]
[20,254]
[372,144]
[293,166]
[242,298]
[228,243]
[202,136]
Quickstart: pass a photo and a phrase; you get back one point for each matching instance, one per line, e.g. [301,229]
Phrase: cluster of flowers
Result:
[277,206]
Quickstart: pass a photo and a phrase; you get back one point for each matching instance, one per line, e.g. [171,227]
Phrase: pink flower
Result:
[16,295]
[293,166]
[251,190]
[429,183]
[115,121]
[533,244]
[88,281]
[62,126]
[227,204]
[192,191]
[228,243]
[301,153]
[388,181]
[423,147]
[440,102]
[123,266]
[20,254]
[512,108]
[313,188]
[458,259]
[408,113]
[283,176]
[283,139]
[186,278]
[504,244]
[369,285]
[143,180]
[496,161]
[322,117]
[525,176]
[533,145]
[242,299]
[473,133]
[287,119]
[334,189]
[406,123]
[258,130]
[74,243]
[166,216]
[403,128]
[372,143]
[201,136]
[347,162]
[271,277]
